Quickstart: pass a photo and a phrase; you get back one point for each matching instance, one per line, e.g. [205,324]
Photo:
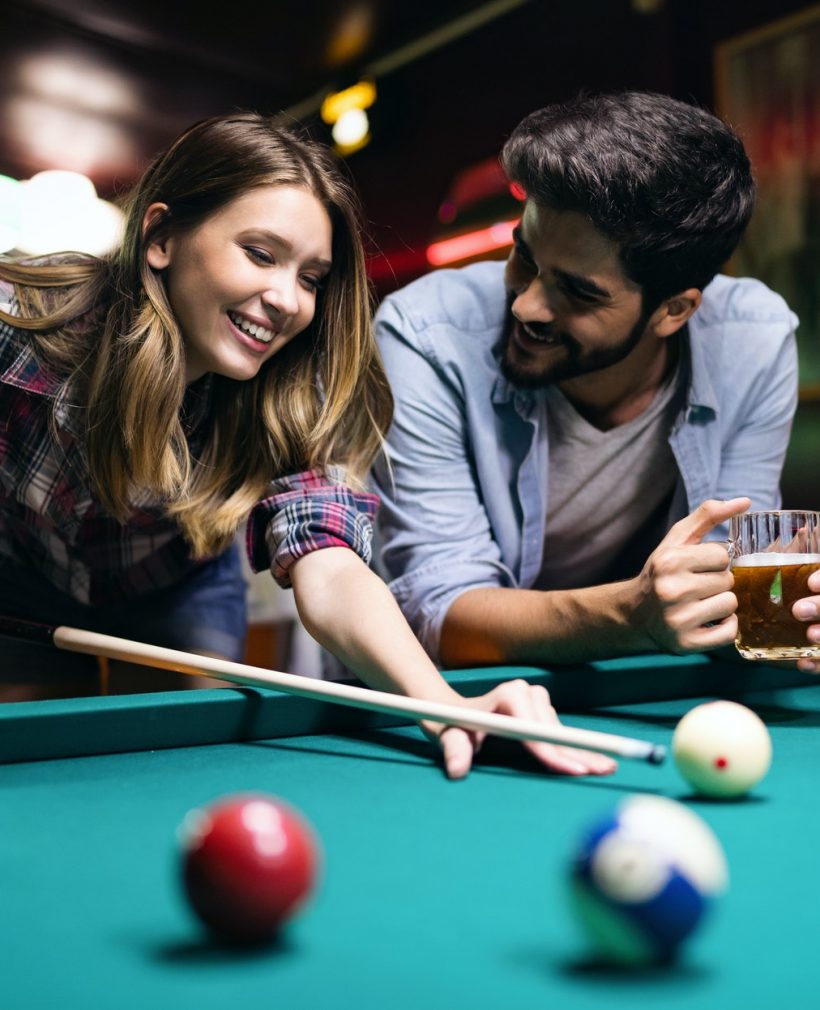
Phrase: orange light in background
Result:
[351,131]
[473,243]
[351,36]
[358,96]
[345,110]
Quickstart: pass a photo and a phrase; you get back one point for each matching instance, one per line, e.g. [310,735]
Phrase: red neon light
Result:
[472,244]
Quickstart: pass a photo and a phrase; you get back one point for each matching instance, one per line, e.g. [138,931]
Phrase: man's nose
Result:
[531,304]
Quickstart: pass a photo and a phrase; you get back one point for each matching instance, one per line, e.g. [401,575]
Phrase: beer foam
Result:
[772,560]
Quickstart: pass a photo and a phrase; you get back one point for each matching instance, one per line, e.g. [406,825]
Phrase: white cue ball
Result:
[722,749]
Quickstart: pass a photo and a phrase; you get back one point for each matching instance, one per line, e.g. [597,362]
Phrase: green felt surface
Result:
[433,894]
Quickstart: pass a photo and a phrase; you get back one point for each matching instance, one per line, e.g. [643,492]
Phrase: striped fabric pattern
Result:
[304,513]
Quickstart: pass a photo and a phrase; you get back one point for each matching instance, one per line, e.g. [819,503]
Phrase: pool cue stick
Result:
[511,727]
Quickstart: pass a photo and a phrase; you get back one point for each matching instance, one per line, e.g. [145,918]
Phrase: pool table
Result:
[432,894]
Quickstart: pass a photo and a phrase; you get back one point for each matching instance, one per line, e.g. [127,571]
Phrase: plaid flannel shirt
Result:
[50,519]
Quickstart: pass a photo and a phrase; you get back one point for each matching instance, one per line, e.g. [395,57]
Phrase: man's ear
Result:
[673,312]
[158,253]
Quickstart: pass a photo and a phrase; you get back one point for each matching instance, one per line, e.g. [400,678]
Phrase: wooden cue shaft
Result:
[76,640]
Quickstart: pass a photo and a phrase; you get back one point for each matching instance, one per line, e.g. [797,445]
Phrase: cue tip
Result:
[657,755]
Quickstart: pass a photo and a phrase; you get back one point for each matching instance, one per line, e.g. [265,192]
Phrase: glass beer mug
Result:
[771,556]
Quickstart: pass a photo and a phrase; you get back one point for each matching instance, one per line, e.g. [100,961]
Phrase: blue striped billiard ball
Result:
[643,877]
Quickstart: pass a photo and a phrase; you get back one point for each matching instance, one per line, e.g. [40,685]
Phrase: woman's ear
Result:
[158,253]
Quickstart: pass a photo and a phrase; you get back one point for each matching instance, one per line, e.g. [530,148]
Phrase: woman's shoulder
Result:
[12,339]
[20,366]
[6,295]
[50,278]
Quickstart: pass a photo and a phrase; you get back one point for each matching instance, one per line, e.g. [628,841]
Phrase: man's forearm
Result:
[681,602]
[529,626]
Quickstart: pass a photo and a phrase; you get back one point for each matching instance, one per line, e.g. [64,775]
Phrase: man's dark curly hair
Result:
[669,183]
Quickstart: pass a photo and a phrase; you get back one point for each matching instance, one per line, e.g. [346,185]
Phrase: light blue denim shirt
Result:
[464,502]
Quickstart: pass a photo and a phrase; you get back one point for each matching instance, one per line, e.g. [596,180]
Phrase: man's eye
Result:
[524,255]
[581,296]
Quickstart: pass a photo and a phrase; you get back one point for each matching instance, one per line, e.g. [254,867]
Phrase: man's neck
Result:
[619,394]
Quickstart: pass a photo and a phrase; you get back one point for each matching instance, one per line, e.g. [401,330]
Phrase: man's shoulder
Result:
[470,298]
[741,300]
[741,331]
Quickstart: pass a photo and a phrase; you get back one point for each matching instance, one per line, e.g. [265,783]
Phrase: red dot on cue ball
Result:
[721,762]
[249,862]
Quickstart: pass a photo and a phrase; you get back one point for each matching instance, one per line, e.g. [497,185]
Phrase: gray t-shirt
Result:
[609,491]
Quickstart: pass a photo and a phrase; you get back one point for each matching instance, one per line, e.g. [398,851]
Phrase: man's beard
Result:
[575,361]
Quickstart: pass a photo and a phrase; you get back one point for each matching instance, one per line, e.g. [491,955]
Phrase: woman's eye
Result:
[313,283]
[259,255]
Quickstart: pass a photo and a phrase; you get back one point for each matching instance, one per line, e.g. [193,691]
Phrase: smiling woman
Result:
[218,368]
[245,282]
[149,397]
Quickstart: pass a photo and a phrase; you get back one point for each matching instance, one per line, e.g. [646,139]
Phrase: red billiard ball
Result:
[249,862]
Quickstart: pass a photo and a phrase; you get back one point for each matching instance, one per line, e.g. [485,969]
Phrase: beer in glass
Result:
[772,555]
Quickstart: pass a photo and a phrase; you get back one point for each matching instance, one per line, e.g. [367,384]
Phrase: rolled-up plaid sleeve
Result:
[306,512]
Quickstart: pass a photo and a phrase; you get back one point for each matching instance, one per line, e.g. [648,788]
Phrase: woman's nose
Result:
[282,295]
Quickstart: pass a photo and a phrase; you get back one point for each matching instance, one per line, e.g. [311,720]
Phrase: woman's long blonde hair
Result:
[106,327]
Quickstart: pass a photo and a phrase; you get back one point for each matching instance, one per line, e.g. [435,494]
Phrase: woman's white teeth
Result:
[257,332]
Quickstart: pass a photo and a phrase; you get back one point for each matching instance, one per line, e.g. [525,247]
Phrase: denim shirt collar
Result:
[702,396]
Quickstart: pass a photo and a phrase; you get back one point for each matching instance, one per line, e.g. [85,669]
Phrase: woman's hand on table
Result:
[368,633]
[524,701]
